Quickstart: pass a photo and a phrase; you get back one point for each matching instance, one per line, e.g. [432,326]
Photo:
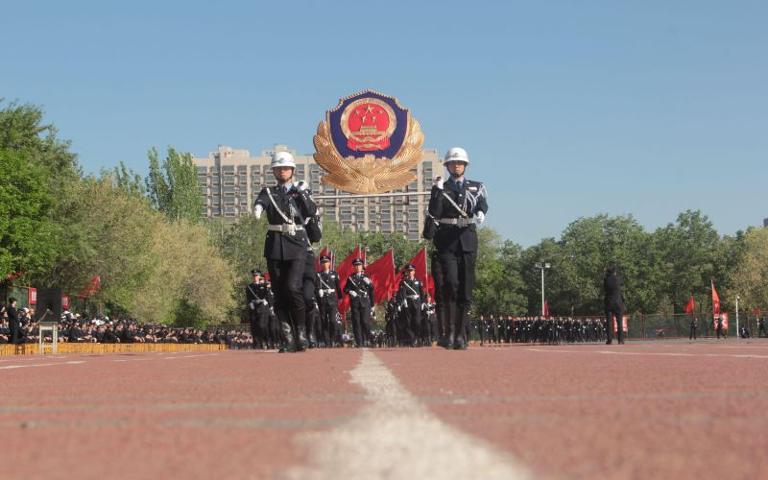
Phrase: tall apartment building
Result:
[230,179]
[765,222]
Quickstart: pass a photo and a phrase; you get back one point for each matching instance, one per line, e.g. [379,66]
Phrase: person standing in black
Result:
[614,304]
[359,287]
[719,327]
[257,297]
[457,206]
[693,326]
[287,205]
[328,294]
[16,337]
[410,298]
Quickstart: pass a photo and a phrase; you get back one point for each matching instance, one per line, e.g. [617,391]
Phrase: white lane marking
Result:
[651,354]
[74,362]
[191,356]
[397,437]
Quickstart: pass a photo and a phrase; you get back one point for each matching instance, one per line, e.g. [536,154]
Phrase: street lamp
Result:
[542,266]
[737,317]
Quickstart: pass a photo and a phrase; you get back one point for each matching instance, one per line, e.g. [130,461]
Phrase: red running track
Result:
[642,410]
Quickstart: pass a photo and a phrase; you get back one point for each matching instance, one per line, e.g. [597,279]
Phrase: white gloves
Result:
[257,211]
[252,305]
[302,186]
[438,183]
[480,216]
[352,293]
[321,293]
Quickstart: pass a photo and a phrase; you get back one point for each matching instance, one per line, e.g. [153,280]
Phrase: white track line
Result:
[398,437]
[650,354]
[74,362]
[191,356]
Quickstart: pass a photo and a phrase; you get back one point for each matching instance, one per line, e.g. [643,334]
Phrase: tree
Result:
[173,188]
[688,256]
[22,130]
[749,278]
[27,242]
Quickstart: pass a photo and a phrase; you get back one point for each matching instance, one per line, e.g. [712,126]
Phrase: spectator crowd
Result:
[76,328]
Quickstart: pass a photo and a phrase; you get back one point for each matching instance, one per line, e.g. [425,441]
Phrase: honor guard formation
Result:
[298,307]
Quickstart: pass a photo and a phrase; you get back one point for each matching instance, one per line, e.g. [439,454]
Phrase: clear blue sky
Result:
[567,108]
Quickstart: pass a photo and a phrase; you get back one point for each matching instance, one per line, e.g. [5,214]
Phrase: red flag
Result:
[715,300]
[690,306]
[344,270]
[93,286]
[431,286]
[546,308]
[382,273]
[324,252]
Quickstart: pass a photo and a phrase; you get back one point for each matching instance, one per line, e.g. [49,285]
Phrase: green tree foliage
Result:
[149,267]
[499,284]
[23,130]
[689,252]
[749,277]
[172,187]
[26,232]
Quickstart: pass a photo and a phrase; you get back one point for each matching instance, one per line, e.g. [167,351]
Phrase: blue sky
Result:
[567,108]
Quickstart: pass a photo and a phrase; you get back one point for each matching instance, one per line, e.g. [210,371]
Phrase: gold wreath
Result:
[369,174]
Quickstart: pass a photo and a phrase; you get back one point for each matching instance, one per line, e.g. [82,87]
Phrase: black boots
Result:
[462,320]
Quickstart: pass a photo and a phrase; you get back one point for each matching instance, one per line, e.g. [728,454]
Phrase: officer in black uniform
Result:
[693,326]
[16,336]
[359,287]
[287,205]
[410,298]
[328,294]
[614,304]
[457,205]
[309,285]
[257,298]
[437,276]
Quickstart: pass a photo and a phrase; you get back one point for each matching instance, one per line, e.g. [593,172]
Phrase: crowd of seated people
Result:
[75,328]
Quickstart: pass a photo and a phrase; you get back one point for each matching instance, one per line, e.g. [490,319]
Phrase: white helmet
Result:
[283,159]
[456,154]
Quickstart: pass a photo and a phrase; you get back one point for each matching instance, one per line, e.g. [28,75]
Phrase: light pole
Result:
[542,266]
[737,317]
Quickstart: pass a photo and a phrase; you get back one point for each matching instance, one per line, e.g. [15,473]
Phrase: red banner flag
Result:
[724,316]
[546,308]
[344,270]
[382,273]
[93,286]
[715,300]
[690,306]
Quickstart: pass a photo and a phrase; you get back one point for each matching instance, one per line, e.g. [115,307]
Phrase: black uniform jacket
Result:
[407,289]
[329,279]
[470,196]
[296,205]
[612,290]
[362,284]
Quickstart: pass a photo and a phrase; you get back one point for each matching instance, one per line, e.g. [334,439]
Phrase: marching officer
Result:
[614,304]
[287,205]
[359,287]
[410,297]
[257,296]
[328,293]
[457,205]
[693,326]
[309,286]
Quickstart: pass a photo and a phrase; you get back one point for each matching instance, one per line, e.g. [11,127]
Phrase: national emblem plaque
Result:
[368,144]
